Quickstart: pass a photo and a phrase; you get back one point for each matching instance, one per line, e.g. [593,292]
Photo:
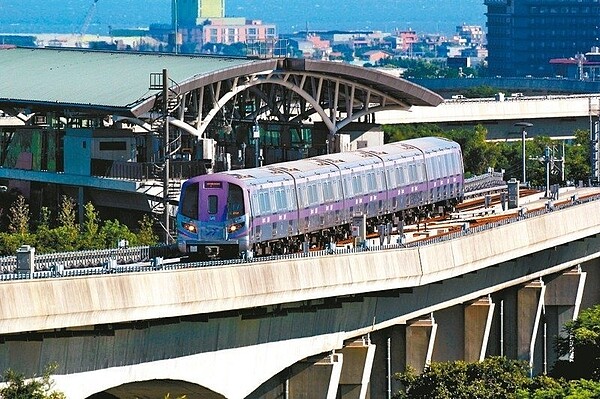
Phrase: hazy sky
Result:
[420,15]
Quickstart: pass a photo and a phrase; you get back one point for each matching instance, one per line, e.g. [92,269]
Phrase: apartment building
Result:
[524,35]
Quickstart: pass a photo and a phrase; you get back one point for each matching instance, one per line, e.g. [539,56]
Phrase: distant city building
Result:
[190,13]
[582,67]
[407,39]
[471,34]
[524,35]
[198,22]
[237,30]
[374,56]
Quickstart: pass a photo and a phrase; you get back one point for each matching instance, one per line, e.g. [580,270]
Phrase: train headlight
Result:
[235,227]
[190,227]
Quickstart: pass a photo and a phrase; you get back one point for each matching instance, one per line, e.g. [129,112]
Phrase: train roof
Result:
[281,172]
[430,144]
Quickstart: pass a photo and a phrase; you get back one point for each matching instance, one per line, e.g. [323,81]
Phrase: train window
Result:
[235,201]
[381,181]
[431,168]
[421,173]
[255,203]
[189,204]
[455,165]
[320,192]
[357,185]
[348,186]
[312,194]
[265,203]
[390,176]
[442,166]
[412,173]
[302,196]
[280,199]
[371,182]
[213,204]
[328,191]
[289,196]
[337,189]
[399,176]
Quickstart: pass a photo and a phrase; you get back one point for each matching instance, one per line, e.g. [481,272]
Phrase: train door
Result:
[212,210]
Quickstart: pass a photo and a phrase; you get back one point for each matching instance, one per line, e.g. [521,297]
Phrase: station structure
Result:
[122,130]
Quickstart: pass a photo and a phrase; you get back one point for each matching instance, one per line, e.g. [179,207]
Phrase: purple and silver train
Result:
[274,209]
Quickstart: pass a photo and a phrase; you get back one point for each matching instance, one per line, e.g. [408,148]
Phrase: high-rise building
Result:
[190,13]
[524,35]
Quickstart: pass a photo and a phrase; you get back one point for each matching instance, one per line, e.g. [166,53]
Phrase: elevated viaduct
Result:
[309,326]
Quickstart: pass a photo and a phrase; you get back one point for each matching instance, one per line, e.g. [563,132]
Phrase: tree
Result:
[43,234]
[493,378]
[113,231]
[90,231]
[146,235]
[577,157]
[579,389]
[18,387]
[583,341]
[19,217]
[67,233]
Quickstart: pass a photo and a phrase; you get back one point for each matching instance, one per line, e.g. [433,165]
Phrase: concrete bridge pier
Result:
[530,300]
[390,358]
[420,339]
[478,321]
[517,330]
[356,369]
[317,377]
[591,294]
[562,303]
[463,331]
[399,347]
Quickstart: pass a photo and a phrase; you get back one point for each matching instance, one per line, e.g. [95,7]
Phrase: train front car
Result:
[212,219]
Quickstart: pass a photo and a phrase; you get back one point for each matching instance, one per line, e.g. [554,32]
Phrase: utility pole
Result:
[166,151]
[523,126]
[176,27]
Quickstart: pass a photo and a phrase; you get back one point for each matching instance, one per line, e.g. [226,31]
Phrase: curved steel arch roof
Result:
[100,82]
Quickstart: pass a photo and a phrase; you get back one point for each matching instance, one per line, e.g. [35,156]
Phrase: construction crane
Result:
[86,22]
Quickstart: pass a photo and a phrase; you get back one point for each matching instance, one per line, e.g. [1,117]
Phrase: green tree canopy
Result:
[582,340]
[493,378]
[19,387]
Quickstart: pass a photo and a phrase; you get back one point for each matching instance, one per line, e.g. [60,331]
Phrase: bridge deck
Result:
[70,302]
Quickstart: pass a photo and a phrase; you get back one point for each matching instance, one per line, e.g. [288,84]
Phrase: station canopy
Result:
[101,82]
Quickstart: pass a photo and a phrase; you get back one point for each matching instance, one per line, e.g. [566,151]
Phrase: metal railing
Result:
[143,259]
[181,170]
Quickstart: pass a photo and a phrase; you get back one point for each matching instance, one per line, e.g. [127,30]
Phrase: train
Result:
[285,207]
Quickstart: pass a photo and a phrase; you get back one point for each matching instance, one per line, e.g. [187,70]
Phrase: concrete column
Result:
[450,334]
[477,325]
[420,337]
[390,358]
[530,301]
[317,377]
[356,370]
[591,293]
[562,303]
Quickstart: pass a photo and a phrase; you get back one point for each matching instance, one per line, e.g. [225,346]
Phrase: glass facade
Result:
[524,35]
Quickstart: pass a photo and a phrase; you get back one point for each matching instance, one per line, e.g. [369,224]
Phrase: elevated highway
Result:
[552,115]
[350,318]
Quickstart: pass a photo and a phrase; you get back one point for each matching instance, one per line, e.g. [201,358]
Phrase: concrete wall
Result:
[71,302]
[202,325]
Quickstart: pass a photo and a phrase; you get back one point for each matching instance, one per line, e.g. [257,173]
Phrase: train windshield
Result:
[235,201]
[213,204]
[189,203]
